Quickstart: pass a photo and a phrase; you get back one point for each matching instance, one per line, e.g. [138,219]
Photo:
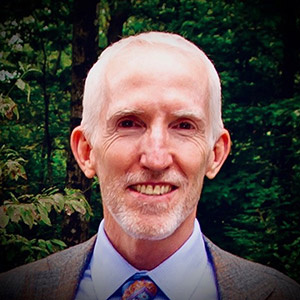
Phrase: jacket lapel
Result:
[73,269]
[236,278]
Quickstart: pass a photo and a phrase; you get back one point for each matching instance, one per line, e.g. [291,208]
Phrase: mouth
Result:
[153,189]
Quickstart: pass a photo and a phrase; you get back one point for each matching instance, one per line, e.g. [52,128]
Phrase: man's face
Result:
[151,152]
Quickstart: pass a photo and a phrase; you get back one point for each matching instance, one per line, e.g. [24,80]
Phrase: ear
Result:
[82,152]
[219,154]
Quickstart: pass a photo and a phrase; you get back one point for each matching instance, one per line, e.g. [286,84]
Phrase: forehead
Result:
[138,60]
[164,71]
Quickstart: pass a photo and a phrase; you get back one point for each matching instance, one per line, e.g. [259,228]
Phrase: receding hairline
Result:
[154,40]
[153,55]
[149,41]
[96,76]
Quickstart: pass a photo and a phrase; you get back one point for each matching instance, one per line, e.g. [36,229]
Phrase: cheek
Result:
[193,159]
[119,157]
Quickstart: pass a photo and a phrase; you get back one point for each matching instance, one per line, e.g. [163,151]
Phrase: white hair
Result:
[95,91]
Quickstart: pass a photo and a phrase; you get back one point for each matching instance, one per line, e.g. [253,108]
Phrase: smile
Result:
[153,189]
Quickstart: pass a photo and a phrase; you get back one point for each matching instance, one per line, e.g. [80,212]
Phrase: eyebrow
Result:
[196,115]
[124,112]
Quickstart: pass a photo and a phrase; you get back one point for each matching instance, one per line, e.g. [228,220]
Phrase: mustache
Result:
[170,176]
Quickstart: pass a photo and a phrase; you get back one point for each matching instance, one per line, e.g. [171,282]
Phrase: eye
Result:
[184,125]
[128,123]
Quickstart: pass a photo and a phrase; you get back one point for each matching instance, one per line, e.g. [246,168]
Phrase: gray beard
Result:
[133,220]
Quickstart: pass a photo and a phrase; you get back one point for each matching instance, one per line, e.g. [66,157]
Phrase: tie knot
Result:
[139,289]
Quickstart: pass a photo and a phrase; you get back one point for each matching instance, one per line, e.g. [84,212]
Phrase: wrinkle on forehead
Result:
[167,68]
[158,59]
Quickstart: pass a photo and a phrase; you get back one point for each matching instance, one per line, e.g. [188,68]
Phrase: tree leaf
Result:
[20,84]
[4,219]
[43,214]
[27,217]
[59,243]
[8,107]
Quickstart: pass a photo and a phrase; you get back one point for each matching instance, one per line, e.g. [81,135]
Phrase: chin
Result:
[151,227]
[150,234]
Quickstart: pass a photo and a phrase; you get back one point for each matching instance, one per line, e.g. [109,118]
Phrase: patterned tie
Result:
[140,287]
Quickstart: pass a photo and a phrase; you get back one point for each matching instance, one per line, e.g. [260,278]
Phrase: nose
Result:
[156,154]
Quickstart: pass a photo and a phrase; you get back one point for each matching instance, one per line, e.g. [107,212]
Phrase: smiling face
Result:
[152,145]
[151,151]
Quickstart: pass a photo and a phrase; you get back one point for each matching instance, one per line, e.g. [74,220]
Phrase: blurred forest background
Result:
[252,208]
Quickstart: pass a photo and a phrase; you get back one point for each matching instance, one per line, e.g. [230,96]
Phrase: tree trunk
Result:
[291,46]
[119,12]
[47,137]
[84,55]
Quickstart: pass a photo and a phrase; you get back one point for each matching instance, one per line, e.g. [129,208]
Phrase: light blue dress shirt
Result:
[187,274]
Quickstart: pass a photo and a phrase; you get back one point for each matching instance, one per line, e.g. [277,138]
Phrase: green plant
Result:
[35,211]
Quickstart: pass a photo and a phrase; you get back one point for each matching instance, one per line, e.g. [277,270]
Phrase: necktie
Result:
[140,287]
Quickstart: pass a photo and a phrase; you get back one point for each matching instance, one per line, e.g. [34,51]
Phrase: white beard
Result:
[149,221]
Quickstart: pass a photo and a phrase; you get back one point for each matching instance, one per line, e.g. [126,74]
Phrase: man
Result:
[151,130]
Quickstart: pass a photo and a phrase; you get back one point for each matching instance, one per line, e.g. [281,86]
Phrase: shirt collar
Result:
[190,259]
[110,270]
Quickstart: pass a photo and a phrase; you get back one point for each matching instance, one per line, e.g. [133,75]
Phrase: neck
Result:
[140,253]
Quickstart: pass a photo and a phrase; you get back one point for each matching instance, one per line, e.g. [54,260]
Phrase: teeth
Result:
[152,190]
[143,189]
[157,190]
[149,190]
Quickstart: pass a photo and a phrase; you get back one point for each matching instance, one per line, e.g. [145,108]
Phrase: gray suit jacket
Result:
[57,277]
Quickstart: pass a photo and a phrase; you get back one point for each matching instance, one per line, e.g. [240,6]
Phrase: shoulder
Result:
[42,279]
[239,278]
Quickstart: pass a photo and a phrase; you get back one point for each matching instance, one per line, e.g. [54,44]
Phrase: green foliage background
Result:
[251,208]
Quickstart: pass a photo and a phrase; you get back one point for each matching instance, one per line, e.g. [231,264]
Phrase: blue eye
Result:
[127,124]
[184,126]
